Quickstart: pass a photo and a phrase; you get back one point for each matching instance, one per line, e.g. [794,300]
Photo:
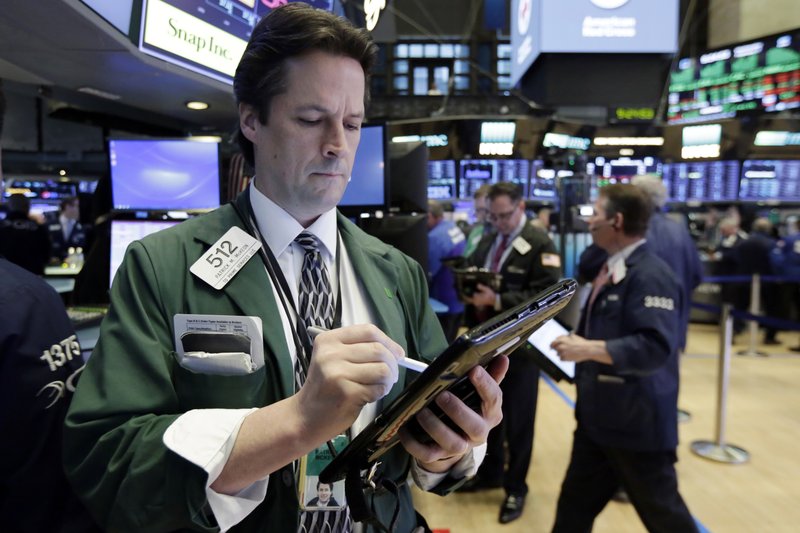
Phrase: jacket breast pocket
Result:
[197,390]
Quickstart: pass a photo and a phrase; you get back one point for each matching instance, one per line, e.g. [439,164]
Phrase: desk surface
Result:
[61,271]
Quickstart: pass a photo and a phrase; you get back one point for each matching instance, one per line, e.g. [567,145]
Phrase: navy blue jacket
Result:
[632,404]
[40,360]
[672,242]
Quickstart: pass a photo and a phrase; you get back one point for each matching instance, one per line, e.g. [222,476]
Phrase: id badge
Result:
[323,506]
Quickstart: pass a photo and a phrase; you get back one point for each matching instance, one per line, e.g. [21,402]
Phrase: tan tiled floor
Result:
[763,417]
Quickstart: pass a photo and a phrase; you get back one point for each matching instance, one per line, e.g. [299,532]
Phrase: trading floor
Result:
[763,418]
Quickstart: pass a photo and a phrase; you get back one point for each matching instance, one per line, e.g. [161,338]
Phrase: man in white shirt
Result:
[161,438]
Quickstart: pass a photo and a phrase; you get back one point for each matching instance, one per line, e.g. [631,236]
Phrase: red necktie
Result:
[498,254]
[597,284]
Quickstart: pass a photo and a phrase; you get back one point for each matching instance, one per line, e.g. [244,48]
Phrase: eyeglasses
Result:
[497,217]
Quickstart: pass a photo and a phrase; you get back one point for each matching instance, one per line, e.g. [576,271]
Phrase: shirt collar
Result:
[279,229]
[624,254]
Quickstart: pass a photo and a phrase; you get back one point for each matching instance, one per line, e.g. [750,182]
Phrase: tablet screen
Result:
[543,337]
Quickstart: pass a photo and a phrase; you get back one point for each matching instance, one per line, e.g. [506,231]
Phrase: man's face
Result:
[304,153]
[72,210]
[601,228]
[505,214]
[324,492]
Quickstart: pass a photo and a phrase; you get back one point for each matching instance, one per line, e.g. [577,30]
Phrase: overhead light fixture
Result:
[626,151]
[62,172]
[197,105]
[98,92]
[628,141]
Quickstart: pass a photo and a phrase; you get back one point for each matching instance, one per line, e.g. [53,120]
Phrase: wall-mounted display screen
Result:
[367,187]
[124,232]
[473,173]
[44,190]
[762,75]
[515,171]
[621,169]
[206,36]
[543,183]
[442,180]
[770,180]
[164,174]
[706,181]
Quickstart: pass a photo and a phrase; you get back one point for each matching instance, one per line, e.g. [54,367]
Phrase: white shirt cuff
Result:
[466,467]
[205,438]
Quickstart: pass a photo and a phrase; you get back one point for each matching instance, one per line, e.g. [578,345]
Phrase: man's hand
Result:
[576,348]
[350,367]
[450,446]
[483,296]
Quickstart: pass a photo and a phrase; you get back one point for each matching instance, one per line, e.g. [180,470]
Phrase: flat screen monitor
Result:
[164,174]
[517,171]
[621,169]
[206,37]
[40,208]
[543,184]
[43,189]
[442,180]
[770,180]
[407,233]
[367,188]
[473,173]
[124,232]
[751,77]
[408,177]
[705,181]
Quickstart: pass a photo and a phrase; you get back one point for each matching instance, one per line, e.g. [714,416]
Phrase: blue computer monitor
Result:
[367,188]
[164,174]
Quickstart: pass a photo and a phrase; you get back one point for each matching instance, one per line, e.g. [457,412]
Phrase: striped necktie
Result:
[314,295]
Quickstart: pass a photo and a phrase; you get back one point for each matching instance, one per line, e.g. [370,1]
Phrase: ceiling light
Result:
[197,105]
[62,172]
[626,151]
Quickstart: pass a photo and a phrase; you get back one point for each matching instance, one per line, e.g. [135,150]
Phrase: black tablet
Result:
[546,357]
[478,346]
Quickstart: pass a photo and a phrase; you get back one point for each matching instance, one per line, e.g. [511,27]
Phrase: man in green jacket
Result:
[192,413]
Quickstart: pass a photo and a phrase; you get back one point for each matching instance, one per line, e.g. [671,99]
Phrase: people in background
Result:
[66,230]
[753,256]
[627,377]
[40,361]
[445,240]
[733,293]
[23,241]
[785,260]
[670,240]
[481,224]
[158,439]
[529,263]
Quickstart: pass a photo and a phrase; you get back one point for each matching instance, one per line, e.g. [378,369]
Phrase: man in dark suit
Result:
[627,377]
[66,230]
[528,262]
[23,241]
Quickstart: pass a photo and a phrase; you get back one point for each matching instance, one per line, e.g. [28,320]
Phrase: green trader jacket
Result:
[133,388]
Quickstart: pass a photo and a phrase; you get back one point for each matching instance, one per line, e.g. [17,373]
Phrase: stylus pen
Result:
[405,362]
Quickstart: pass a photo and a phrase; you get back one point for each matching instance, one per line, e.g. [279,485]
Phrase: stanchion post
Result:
[752,325]
[719,450]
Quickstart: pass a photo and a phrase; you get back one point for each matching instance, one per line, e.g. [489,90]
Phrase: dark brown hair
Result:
[632,202]
[289,31]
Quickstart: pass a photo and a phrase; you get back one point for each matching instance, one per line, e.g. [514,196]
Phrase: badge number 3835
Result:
[225,258]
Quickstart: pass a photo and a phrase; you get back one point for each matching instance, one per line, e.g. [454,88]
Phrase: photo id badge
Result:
[323,507]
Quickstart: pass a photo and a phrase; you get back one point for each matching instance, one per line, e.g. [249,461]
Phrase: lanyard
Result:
[302,342]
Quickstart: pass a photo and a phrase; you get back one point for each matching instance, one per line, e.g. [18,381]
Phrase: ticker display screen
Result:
[703,181]
[757,76]
[442,179]
[770,180]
